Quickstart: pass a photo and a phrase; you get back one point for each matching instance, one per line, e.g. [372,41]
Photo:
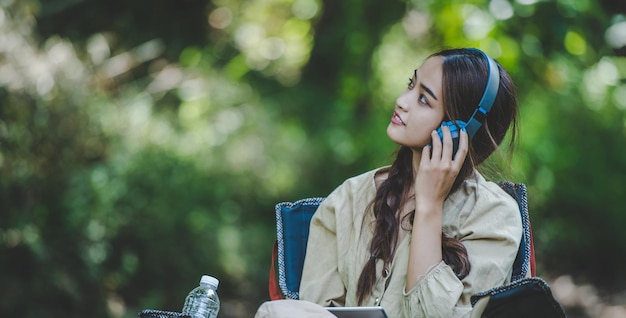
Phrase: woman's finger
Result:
[436,146]
[426,151]
[446,151]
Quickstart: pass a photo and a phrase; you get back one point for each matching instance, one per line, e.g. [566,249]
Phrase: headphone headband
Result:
[489,96]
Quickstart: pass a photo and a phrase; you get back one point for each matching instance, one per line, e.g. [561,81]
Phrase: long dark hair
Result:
[464,79]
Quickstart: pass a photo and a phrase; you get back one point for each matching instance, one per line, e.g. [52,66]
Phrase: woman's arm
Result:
[436,172]
[490,228]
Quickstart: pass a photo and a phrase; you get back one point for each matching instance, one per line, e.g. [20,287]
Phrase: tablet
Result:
[358,312]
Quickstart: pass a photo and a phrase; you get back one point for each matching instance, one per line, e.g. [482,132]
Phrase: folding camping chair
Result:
[525,295]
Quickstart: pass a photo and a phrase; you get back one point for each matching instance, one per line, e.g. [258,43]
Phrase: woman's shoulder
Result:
[482,206]
[478,196]
[484,189]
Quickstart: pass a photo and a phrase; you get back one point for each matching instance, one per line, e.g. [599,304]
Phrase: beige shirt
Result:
[480,214]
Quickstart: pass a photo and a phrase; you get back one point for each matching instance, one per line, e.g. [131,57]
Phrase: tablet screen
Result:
[358,312]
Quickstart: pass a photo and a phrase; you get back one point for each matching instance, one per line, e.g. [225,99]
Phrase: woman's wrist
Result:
[425,208]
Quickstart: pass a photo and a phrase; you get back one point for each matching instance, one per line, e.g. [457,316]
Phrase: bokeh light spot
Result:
[220,18]
[574,43]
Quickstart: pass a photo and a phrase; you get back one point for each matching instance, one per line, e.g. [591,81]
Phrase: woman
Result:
[421,236]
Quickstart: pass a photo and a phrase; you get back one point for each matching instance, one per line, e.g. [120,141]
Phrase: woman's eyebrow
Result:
[428,91]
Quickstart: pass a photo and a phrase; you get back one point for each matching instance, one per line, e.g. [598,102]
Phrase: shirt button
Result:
[385,273]
[377,301]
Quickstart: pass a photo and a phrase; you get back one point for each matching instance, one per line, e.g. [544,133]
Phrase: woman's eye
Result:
[411,84]
[422,99]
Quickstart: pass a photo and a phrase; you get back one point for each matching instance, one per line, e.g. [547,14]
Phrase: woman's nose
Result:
[402,101]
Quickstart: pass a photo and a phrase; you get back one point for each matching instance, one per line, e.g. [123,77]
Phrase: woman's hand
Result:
[437,169]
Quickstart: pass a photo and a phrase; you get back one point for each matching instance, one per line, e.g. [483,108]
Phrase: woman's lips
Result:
[395,119]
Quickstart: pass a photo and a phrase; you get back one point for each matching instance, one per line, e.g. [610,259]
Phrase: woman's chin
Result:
[393,135]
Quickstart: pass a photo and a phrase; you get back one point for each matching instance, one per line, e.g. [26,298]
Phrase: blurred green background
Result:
[145,143]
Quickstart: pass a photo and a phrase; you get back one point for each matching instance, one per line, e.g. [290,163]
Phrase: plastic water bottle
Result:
[202,301]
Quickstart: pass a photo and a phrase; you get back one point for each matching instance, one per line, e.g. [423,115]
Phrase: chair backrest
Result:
[292,231]
[525,260]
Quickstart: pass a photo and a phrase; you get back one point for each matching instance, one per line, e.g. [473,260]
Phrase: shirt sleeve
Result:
[435,294]
[491,233]
[321,282]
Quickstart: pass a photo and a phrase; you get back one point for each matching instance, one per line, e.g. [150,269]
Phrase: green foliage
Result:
[143,144]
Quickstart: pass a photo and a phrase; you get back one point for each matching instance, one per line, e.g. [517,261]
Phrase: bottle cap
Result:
[206,279]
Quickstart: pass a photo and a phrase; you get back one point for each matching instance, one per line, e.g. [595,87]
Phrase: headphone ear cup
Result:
[455,127]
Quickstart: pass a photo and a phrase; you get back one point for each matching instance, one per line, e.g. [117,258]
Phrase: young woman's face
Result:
[419,109]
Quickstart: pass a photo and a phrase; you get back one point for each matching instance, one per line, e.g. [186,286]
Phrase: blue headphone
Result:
[484,106]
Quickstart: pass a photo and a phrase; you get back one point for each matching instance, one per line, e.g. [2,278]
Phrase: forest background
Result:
[145,143]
